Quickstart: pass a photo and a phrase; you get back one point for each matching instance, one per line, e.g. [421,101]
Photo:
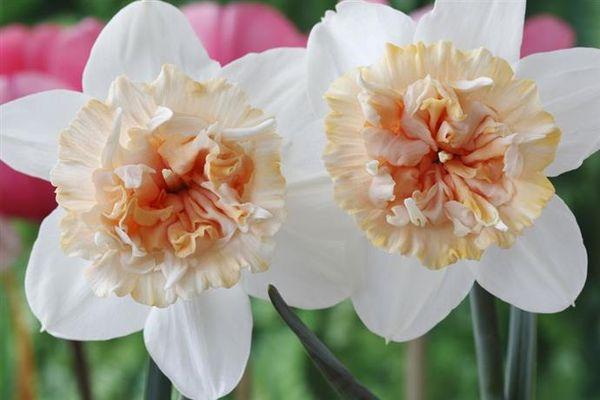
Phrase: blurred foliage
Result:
[569,342]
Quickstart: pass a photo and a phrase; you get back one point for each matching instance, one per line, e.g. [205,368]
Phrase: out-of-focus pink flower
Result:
[28,82]
[12,42]
[230,31]
[24,196]
[71,50]
[33,60]
[38,46]
[545,32]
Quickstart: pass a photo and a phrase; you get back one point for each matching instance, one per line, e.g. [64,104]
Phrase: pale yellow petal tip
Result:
[460,146]
[173,194]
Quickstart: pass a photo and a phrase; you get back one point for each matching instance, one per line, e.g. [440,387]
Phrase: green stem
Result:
[336,374]
[81,370]
[520,365]
[487,343]
[158,386]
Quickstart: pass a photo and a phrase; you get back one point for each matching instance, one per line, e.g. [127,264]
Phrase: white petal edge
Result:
[400,299]
[569,86]
[545,270]
[275,81]
[138,41]
[495,24]
[353,36]
[314,265]
[30,127]
[61,299]
[203,344]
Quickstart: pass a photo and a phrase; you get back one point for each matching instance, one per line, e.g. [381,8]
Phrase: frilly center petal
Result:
[171,187]
[449,147]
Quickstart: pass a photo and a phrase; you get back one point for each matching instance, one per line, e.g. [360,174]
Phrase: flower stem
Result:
[158,386]
[81,369]
[416,369]
[487,343]
[336,374]
[520,366]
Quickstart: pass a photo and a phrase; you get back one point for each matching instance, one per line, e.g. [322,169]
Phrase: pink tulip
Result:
[12,43]
[33,60]
[71,50]
[24,196]
[545,32]
[25,83]
[230,31]
[39,45]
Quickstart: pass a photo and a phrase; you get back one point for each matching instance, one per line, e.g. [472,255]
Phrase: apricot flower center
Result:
[170,187]
[449,147]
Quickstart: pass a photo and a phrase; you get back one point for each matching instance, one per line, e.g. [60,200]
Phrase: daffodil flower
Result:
[168,177]
[439,142]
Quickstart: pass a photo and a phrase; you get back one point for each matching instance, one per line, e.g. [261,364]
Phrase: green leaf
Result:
[334,371]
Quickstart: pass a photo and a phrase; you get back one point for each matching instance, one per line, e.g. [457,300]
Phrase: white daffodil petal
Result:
[312,265]
[203,344]
[546,268]
[138,41]
[400,299]
[275,81]
[569,85]
[30,127]
[496,25]
[61,298]
[353,36]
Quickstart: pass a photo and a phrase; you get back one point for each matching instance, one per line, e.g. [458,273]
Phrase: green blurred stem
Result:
[521,355]
[81,369]
[487,343]
[416,360]
[158,386]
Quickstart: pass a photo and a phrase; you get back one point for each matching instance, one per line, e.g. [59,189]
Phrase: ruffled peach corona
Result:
[170,187]
[439,153]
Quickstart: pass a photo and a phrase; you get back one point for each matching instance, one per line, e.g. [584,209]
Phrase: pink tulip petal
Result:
[228,32]
[5,92]
[24,196]
[38,47]
[546,33]
[12,39]
[71,50]
[29,82]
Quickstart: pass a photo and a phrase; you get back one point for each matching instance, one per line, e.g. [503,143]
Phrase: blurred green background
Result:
[568,343]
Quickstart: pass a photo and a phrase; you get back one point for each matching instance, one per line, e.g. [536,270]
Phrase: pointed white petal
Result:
[60,297]
[138,41]
[495,24]
[400,299]
[569,85]
[353,36]
[545,270]
[203,344]
[275,81]
[313,266]
[30,127]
